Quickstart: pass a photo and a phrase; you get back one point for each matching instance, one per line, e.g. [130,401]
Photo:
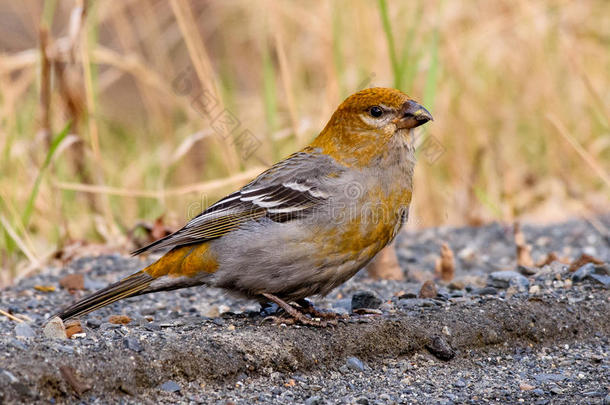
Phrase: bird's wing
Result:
[287,190]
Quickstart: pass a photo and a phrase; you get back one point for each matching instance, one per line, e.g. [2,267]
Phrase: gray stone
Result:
[508,278]
[170,386]
[411,302]
[590,271]
[365,299]
[93,323]
[527,270]
[109,326]
[602,279]
[583,272]
[485,291]
[542,378]
[54,329]
[17,344]
[65,349]
[315,400]
[23,330]
[355,363]
[132,344]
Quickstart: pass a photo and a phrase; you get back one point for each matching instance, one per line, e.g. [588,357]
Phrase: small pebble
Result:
[170,386]
[54,329]
[355,363]
[486,291]
[440,348]
[365,299]
[93,323]
[428,290]
[23,330]
[132,343]
[508,278]
[315,400]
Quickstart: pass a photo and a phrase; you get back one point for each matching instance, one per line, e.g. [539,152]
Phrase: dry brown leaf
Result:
[444,268]
[73,326]
[385,265]
[428,290]
[550,258]
[119,319]
[73,282]
[153,232]
[582,260]
[159,230]
[524,257]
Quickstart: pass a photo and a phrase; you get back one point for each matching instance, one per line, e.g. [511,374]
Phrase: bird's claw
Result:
[297,314]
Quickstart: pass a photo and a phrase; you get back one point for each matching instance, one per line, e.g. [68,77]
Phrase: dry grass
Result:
[520,92]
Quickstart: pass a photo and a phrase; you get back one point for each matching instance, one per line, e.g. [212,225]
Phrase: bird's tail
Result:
[135,284]
[184,266]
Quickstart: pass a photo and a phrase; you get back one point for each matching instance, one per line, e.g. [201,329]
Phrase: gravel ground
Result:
[498,333]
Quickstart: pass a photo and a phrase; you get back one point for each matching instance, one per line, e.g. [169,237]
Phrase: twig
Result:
[45,86]
[9,316]
[203,67]
[586,156]
[91,108]
[197,187]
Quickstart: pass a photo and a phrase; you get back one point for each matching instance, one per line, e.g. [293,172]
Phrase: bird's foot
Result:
[308,308]
[296,315]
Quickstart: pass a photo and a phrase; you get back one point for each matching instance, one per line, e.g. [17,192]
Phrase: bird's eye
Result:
[376,111]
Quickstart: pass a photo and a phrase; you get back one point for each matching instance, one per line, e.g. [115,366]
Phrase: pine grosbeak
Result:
[304,226]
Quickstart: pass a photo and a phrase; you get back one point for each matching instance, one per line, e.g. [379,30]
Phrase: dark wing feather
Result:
[288,190]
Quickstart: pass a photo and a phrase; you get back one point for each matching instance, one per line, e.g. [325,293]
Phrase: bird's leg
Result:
[295,313]
[309,308]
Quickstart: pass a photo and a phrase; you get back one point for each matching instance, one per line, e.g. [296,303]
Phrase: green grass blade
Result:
[387,28]
[432,77]
[29,207]
[409,59]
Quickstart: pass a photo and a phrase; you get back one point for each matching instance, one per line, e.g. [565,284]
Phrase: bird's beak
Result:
[412,115]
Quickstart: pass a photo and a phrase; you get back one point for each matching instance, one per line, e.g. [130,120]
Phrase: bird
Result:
[302,227]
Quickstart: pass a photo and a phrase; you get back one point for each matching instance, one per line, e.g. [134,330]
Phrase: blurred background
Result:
[121,120]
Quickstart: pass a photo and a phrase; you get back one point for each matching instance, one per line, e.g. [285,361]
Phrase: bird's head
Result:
[366,121]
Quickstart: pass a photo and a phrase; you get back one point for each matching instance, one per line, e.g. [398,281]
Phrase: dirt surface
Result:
[533,335]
